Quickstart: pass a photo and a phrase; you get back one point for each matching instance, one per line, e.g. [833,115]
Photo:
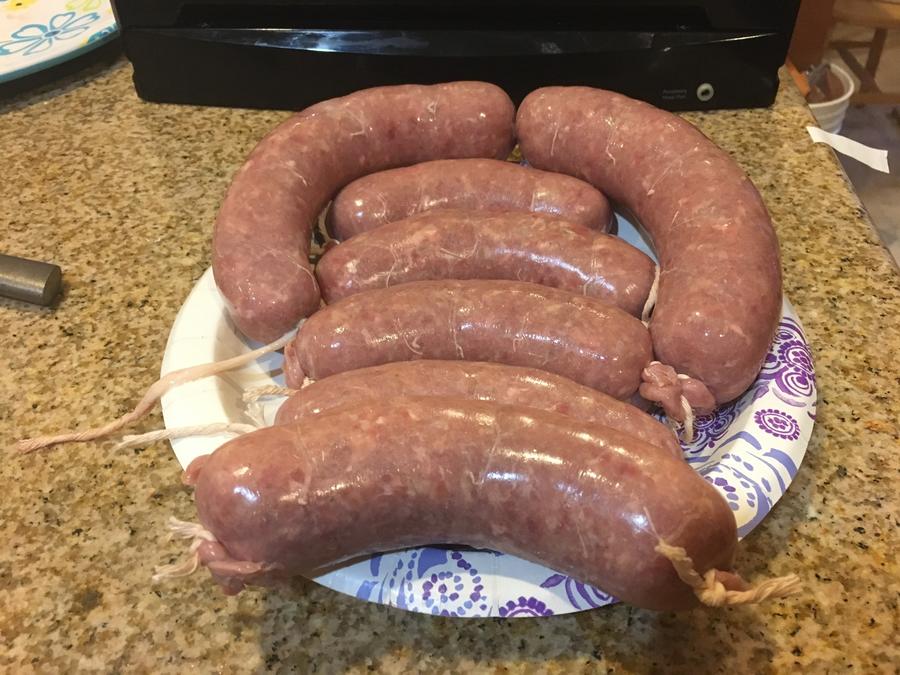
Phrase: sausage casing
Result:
[510,322]
[477,184]
[580,498]
[719,296]
[262,234]
[509,385]
[465,244]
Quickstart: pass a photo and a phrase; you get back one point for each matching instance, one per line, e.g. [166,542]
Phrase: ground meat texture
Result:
[582,499]
[510,322]
[480,184]
[262,234]
[720,285]
[467,244]
[510,385]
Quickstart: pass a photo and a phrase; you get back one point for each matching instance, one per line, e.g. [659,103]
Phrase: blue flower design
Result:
[101,34]
[33,38]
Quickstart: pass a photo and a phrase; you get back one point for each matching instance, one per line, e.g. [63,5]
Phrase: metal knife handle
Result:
[29,280]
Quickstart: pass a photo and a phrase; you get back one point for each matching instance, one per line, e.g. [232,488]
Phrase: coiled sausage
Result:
[262,233]
[720,285]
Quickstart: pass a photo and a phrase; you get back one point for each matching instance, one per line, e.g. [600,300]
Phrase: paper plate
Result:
[38,34]
[749,450]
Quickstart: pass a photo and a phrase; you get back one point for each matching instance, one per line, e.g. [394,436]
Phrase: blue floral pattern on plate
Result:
[37,34]
[102,34]
[33,38]
[749,451]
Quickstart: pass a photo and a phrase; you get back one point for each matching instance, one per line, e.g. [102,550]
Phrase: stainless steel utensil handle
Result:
[29,280]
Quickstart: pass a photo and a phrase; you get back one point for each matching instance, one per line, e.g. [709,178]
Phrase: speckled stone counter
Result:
[122,194]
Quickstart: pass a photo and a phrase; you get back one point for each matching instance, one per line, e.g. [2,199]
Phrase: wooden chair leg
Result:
[869,92]
[866,81]
[875,50]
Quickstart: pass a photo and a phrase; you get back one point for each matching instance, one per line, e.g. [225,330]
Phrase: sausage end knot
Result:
[680,396]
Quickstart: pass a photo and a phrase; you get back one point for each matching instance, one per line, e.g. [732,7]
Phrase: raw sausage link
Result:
[509,322]
[580,498]
[466,244]
[262,234]
[720,286]
[481,184]
[479,381]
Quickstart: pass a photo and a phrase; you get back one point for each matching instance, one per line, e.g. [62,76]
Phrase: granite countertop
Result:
[122,194]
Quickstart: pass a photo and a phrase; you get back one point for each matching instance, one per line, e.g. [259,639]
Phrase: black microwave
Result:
[291,53]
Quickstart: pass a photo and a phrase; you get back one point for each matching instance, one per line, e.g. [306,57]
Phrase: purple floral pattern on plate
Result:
[777,423]
[788,368]
[749,450]
[579,595]
[525,607]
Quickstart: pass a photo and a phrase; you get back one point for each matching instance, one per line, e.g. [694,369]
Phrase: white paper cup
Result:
[830,114]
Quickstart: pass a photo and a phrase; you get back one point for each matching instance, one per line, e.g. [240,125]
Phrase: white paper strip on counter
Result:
[873,157]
